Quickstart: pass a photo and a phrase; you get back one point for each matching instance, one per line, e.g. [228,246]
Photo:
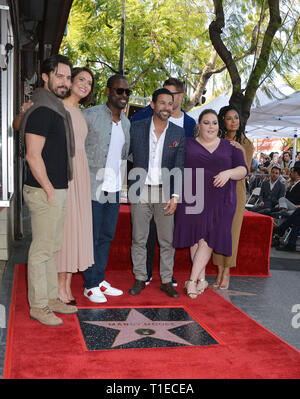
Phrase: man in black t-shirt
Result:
[47,124]
[45,188]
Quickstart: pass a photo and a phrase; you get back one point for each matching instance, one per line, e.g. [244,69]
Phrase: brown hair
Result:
[286,171]
[205,112]
[276,167]
[175,82]
[88,99]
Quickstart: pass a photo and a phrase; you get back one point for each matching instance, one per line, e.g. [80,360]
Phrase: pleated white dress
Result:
[77,253]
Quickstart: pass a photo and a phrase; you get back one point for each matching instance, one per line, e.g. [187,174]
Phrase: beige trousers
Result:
[47,227]
[151,204]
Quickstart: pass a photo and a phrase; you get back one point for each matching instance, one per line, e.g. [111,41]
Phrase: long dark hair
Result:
[221,117]
[88,99]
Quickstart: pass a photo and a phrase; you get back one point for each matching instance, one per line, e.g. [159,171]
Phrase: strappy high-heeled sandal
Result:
[202,285]
[191,289]
[217,282]
[218,279]
[225,284]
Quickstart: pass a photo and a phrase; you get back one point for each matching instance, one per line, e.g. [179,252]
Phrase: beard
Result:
[60,91]
[115,102]
[161,117]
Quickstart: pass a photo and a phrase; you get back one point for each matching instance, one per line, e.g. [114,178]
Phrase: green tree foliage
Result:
[173,38]
[275,29]
[293,81]
[162,39]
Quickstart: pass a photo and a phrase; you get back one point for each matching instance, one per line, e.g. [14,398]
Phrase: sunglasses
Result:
[120,91]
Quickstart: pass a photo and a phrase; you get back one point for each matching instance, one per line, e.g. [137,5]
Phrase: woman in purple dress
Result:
[204,224]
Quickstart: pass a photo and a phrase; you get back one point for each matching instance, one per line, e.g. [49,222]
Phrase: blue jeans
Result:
[105,216]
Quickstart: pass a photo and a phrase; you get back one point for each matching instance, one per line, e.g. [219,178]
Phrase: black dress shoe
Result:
[138,286]
[169,290]
[275,241]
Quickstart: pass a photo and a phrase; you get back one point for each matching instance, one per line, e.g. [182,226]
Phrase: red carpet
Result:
[253,254]
[246,350]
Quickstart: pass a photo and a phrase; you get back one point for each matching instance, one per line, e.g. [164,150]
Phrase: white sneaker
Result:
[107,289]
[94,295]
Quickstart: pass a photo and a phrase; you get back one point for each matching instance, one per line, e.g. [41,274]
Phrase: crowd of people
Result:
[186,187]
[277,176]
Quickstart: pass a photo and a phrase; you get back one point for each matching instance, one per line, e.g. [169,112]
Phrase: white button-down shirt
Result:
[155,156]
[112,175]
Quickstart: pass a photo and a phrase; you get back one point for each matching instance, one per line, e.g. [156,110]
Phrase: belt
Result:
[154,185]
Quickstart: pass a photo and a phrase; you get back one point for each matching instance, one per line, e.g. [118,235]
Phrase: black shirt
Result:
[45,122]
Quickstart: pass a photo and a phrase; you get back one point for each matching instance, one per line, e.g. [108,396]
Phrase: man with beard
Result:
[180,118]
[49,142]
[157,150]
[107,145]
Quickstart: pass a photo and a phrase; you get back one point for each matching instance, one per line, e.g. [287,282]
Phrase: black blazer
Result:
[294,194]
[271,197]
[172,157]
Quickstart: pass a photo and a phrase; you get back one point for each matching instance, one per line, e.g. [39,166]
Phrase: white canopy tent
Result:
[279,118]
[283,112]
[261,99]
[216,104]
[272,119]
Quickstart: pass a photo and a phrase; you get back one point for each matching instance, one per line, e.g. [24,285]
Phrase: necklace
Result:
[116,122]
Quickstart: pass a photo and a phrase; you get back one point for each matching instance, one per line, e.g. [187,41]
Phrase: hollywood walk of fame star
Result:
[137,326]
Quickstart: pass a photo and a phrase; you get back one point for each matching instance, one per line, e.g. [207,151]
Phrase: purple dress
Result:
[212,222]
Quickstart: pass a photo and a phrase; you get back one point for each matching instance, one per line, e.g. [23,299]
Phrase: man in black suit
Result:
[157,150]
[271,190]
[182,119]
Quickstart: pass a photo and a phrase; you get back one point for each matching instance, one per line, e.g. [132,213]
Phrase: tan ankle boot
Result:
[45,316]
[58,306]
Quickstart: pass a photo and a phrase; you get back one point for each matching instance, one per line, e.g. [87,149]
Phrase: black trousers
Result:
[292,221]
